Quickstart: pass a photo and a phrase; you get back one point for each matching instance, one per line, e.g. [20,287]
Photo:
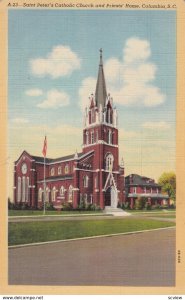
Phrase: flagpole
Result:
[44,209]
[44,151]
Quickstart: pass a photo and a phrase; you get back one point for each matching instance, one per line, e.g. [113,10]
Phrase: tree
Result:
[168,183]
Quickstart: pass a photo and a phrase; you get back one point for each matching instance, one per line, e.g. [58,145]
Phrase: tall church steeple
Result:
[101,93]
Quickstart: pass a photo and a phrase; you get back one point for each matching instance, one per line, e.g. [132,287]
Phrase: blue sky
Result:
[146,38]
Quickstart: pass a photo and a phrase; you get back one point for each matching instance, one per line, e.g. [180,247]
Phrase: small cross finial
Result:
[101,51]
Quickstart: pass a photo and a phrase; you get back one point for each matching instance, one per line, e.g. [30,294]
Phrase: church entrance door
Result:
[108,197]
[111,197]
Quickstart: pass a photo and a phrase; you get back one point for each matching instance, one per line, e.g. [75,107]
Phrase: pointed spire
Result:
[101,93]
[76,155]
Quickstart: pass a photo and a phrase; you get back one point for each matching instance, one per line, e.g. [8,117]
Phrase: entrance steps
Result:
[115,211]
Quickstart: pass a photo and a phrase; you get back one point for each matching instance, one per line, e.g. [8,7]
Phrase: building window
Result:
[47,194]
[108,115]
[62,191]
[87,137]
[52,172]
[109,162]
[109,137]
[151,191]
[66,169]
[70,193]
[19,190]
[40,193]
[135,189]
[91,198]
[96,136]
[27,189]
[92,137]
[23,189]
[92,116]
[96,182]
[157,191]
[144,189]
[59,170]
[53,194]
[85,198]
[85,181]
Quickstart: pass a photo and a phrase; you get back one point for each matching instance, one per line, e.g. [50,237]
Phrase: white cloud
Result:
[130,79]
[34,92]
[54,99]
[87,87]
[156,125]
[136,50]
[20,120]
[61,61]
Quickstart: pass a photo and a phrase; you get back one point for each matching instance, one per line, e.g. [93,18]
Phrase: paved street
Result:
[144,259]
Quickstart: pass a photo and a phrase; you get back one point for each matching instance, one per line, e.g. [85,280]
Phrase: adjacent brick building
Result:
[94,175]
[140,186]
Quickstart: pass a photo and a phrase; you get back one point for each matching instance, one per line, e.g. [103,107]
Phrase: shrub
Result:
[156,206]
[164,206]
[148,206]
[49,206]
[10,204]
[172,206]
[125,205]
[140,203]
[67,206]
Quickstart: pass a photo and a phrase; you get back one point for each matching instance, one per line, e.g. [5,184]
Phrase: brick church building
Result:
[93,175]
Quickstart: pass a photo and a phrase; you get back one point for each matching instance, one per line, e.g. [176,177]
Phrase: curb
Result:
[44,216]
[89,237]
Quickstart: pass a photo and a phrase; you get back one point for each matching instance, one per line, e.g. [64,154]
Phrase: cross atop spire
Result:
[101,60]
[101,93]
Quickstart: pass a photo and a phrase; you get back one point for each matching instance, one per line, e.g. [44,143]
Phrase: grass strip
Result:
[32,232]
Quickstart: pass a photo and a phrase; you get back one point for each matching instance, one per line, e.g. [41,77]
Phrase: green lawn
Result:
[162,216]
[49,212]
[159,211]
[30,232]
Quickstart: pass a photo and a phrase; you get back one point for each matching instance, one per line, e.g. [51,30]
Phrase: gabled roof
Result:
[24,153]
[101,93]
[40,159]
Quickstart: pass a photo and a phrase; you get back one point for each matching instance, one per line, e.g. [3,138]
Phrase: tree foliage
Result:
[168,182]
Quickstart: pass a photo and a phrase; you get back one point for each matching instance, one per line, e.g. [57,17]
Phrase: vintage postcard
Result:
[92,147]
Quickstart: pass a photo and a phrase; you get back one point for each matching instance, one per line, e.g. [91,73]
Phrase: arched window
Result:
[47,194]
[66,169]
[108,115]
[87,137]
[92,116]
[27,189]
[85,198]
[53,194]
[70,193]
[92,137]
[62,191]
[109,136]
[19,190]
[52,172]
[85,181]
[109,162]
[95,182]
[23,189]
[40,193]
[96,136]
[59,170]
